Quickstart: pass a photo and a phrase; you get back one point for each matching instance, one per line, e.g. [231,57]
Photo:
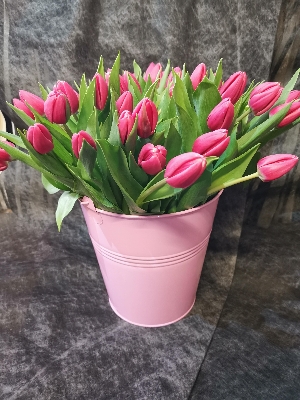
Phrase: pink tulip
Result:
[198,74]
[124,102]
[22,106]
[274,166]
[292,114]
[152,158]
[154,71]
[77,140]
[40,138]
[264,96]
[221,116]
[293,95]
[3,165]
[183,170]
[147,117]
[124,80]
[212,143]
[234,87]
[34,101]
[101,91]
[125,125]
[72,96]
[4,156]
[57,107]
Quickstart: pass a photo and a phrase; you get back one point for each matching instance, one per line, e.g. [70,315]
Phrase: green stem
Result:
[68,130]
[231,183]
[149,191]
[241,117]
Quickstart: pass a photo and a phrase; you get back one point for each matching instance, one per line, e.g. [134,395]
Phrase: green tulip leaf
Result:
[114,78]
[254,136]
[87,107]
[118,167]
[52,187]
[114,135]
[136,171]
[288,87]
[189,87]
[151,90]
[24,117]
[100,68]
[205,97]
[186,129]
[47,161]
[64,207]
[87,159]
[232,170]
[230,152]
[163,80]
[219,73]
[163,108]
[93,125]
[82,91]
[132,138]
[162,192]
[13,138]
[43,91]
[134,89]
[137,70]
[173,142]
[62,153]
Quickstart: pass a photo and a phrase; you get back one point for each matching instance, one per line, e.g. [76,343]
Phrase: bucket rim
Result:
[87,203]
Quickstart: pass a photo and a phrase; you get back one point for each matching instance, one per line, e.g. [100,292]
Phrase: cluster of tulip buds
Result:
[184,169]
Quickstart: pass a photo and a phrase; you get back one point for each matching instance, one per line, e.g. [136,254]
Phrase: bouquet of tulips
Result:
[157,142]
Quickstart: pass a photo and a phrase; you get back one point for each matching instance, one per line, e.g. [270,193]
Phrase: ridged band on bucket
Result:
[150,261]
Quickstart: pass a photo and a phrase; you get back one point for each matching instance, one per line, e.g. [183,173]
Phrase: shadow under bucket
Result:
[151,265]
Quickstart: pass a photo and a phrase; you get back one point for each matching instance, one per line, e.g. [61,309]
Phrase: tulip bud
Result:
[221,116]
[4,156]
[77,140]
[124,102]
[152,158]
[264,96]
[234,86]
[293,95]
[101,91]
[3,165]
[183,170]
[198,74]
[147,117]
[34,101]
[72,96]
[154,71]
[22,106]
[40,138]
[124,79]
[57,108]
[125,125]
[274,166]
[212,143]
[292,114]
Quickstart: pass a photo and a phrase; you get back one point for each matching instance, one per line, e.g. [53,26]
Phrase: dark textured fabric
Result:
[59,339]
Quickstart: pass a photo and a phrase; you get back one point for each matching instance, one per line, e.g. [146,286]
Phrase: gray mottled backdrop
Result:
[59,338]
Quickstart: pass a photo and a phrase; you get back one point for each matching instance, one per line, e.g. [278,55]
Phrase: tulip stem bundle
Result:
[149,143]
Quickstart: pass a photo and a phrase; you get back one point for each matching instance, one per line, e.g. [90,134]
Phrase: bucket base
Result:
[150,326]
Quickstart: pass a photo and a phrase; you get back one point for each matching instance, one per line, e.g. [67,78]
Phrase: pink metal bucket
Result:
[151,265]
